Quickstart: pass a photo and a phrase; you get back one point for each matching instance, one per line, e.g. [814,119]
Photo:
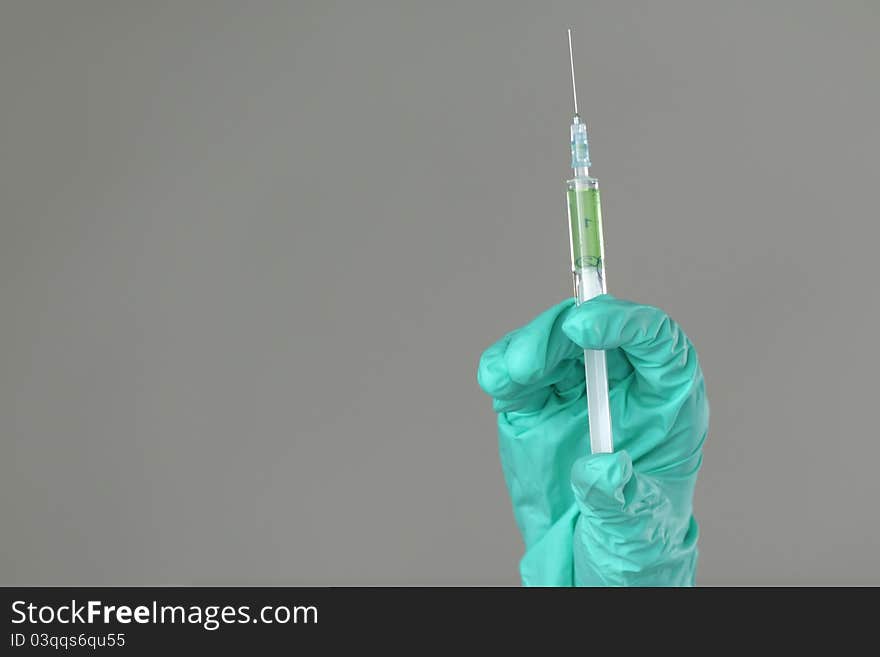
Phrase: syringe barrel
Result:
[588,272]
[585,231]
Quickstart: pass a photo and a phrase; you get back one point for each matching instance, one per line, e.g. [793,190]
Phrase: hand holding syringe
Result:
[599,519]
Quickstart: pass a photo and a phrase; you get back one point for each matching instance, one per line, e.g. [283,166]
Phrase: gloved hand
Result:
[606,519]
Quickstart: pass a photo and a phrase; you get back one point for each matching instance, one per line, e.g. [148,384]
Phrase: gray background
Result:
[250,254]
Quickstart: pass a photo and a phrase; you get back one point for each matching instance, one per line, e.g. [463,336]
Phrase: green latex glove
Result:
[606,519]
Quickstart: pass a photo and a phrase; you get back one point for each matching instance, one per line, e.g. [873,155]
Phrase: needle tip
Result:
[573,86]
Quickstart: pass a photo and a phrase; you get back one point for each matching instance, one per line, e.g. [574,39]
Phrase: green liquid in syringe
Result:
[585,215]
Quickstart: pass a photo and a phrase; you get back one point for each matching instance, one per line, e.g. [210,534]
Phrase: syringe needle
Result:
[573,85]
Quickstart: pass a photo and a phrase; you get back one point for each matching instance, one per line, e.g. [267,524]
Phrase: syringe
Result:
[588,267]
